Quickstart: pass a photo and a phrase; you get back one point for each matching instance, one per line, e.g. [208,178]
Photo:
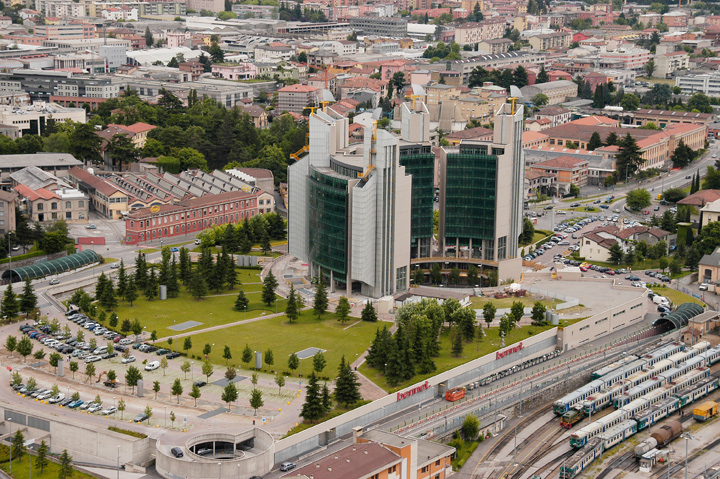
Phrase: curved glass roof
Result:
[54,266]
[681,316]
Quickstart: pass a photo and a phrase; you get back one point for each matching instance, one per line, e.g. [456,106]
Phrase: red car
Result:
[646,212]
[583,269]
[610,272]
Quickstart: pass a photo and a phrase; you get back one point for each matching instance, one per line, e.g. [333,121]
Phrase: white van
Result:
[125,341]
[152,366]
[661,300]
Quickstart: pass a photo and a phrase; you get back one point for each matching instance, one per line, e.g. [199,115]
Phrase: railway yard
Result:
[635,411]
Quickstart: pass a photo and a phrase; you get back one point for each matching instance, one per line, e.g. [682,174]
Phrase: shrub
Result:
[128,432]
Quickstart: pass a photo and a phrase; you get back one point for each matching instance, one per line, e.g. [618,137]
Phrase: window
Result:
[68,205]
[68,215]
[425,469]
[40,206]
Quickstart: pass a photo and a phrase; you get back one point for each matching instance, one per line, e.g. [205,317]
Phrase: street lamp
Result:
[114,402]
[118,463]
[686,435]
[191,370]
[211,320]
[9,420]
[165,415]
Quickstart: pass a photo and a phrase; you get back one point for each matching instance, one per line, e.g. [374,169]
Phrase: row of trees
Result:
[318,400]
[12,304]
[239,238]
[18,449]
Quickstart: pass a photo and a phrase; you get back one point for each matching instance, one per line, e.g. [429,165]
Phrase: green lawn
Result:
[285,338]
[537,236]
[20,470]
[675,296]
[445,361]
[158,315]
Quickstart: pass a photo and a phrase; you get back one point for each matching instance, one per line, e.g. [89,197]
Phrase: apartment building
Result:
[384,27]
[551,41]
[45,206]
[566,171]
[708,83]
[65,32]
[8,201]
[669,63]
[630,58]
[295,98]
[557,91]
[664,118]
[470,33]
[495,46]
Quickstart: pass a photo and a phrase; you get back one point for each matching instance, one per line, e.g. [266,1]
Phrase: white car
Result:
[703,287]
[44,396]
[108,411]
[56,399]
[95,407]
[129,359]
[92,359]
[152,366]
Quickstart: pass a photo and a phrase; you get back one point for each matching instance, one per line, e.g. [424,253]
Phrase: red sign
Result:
[415,390]
[514,349]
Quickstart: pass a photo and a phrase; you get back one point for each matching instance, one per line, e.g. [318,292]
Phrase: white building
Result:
[350,209]
[708,83]
[126,14]
[30,119]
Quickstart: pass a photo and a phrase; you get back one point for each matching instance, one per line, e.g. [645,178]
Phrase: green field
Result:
[285,338]
[676,296]
[21,470]
[444,362]
[158,315]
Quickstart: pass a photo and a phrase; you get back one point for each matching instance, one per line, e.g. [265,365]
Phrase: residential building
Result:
[475,32]
[350,209]
[45,206]
[60,87]
[190,216]
[234,71]
[8,201]
[211,5]
[105,199]
[383,27]
[196,69]
[630,58]
[551,41]
[708,83]
[557,91]
[566,171]
[273,52]
[296,98]
[495,45]
[709,212]
[258,115]
[669,63]
[466,66]
[709,268]
[471,134]
[65,32]
[595,245]
[137,132]
[144,8]
[556,114]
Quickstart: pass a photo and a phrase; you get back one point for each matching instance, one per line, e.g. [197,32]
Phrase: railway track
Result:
[510,433]
[547,447]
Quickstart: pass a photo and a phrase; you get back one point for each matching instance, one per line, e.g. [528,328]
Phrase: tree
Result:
[74,367]
[517,310]
[595,141]
[528,232]
[241,303]
[302,57]
[230,373]
[347,387]
[520,77]
[256,400]
[122,150]
[54,360]
[542,77]
[65,471]
[148,37]
[369,313]
[156,388]
[227,354]
[85,144]
[207,369]
[41,460]
[630,102]
[293,362]
[247,355]
[187,344]
[121,407]
[28,299]
[312,409]
[682,155]
[291,310]
[489,311]
[9,304]
[90,371]
[599,97]
[185,367]
[343,310]
[269,358]
[195,393]
[470,427]
[11,344]
[538,313]
[177,389]
[207,349]
[24,347]
[132,376]
[148,413]
[216,53]
[268,291]
[398,81]
[435,274]
[638,199]
[673,195]
[229,394]
[18,445]
[197,286]
[319,362]
[616,253]
[131,291]
[675,267]
[457,344]
[321,300]
[650,67]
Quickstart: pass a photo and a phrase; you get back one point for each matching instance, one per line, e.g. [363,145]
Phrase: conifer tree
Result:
[347,387]
[321,300]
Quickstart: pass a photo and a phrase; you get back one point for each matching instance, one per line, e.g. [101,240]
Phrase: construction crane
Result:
[413,97]
[512,99]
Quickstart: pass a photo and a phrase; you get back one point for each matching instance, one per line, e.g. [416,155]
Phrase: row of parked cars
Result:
[44,394]
[65,344]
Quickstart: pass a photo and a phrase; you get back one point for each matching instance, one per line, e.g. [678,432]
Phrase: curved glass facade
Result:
[54,266]
[328,221]
[420,163]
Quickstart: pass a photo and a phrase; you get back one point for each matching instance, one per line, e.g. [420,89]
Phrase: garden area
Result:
[677,297]
[477,302]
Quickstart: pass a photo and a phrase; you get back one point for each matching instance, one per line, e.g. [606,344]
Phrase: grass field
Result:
[675,296]
[21,470]
[285,338]
[445,361]
[158,315]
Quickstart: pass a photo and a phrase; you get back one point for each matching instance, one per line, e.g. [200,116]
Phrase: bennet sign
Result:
[415,390]
[514,349]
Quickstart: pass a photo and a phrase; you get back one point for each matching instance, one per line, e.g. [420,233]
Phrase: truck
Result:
[705,411]
[454,394]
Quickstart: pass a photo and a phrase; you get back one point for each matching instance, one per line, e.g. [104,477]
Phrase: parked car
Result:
[109,410]
[75,404]
[172,355]
[703,287]
[286,466]
[176,451]
[91,226]
[129,359]
[199,383]
[54,281]
[58,398]
[140,417]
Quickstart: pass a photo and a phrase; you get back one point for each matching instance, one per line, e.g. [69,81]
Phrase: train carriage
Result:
[601,400]
[623,372]
[614,366]
[696,391]
[564,404]
[711,356]
[637,392]
[692,377]
[583,435]
[663,352]
[618,433]
[581,459]
[657,412]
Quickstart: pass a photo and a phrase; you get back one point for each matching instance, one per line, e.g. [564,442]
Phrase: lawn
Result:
[158,315]
[20,470]
[285,338]
[676,296]
[657,80]
[537,236]
[478,302]
[445,361]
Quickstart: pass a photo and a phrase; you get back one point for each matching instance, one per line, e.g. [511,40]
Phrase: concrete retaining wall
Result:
[320,435]
[83,442]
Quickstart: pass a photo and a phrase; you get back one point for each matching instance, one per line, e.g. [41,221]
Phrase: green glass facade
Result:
[419,161]
[328,215]
[470,196]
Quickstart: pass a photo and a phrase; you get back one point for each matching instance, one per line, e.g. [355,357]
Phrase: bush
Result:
[127,432]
